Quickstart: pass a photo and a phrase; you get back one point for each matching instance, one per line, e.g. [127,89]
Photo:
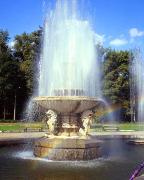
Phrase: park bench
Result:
[110,128]
[29,129]
[96,126]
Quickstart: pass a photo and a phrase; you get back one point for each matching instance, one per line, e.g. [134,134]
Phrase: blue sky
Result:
[120,23]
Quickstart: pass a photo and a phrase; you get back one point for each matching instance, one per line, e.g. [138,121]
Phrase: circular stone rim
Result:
[66,98]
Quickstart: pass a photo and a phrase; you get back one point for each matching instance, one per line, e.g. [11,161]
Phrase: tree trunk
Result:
[14,108]
[4,112]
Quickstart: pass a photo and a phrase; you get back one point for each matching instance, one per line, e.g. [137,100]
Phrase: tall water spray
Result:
[137,86]
[69,64]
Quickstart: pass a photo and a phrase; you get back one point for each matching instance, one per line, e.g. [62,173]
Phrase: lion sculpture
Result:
[51,121]
[86,118]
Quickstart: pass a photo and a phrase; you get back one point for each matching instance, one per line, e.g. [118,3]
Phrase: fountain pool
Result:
[117,164]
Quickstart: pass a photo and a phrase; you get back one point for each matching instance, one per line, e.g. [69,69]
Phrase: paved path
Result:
[120,133]
[22,136]
[31,135]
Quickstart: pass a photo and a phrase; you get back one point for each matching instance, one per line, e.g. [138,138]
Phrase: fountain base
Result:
[67,148]
[68,119]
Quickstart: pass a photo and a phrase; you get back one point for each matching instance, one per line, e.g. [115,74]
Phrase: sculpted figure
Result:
[86,122]
[51,121]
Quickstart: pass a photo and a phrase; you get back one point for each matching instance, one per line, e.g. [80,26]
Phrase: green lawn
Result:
[19,126]
[121,126]
[96,127]
[132,126]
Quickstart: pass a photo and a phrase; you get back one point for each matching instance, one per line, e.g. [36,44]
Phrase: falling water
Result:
[69,63]
[137,86]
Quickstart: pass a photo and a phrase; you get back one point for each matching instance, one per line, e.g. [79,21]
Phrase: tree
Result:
[26,51]
[116,86]
[4,55]
[4,37]
[9,74]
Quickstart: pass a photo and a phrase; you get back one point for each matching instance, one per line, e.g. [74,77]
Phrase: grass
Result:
[98,127]
[121,126]
[9,126]
[131,126]
[19,126]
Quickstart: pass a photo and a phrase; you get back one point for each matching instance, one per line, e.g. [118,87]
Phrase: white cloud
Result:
[11,44]
[118,42]
[134,32]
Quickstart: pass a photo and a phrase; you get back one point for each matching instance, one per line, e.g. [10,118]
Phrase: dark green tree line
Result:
[10,77]
[16,71]
[17,79]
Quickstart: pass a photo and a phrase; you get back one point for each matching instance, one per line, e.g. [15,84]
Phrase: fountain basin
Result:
[67,104]
[137,141]
[68,110]
[68,143]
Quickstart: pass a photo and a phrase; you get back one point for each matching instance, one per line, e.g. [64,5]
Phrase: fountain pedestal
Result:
[63,148]
[69,124]
[68,119]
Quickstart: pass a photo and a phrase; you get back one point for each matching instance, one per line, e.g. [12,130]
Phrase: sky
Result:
[119,23]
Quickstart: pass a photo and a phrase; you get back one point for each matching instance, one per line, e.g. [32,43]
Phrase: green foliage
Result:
[10,75]
[27,47]
[4,37]
[116,85]
[16,70]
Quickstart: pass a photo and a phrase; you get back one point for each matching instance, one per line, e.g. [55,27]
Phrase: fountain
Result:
[69,86]
[137,91]
[69,93]
[137,86]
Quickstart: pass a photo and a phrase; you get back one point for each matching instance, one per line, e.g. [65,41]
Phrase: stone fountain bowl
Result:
[67,104]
